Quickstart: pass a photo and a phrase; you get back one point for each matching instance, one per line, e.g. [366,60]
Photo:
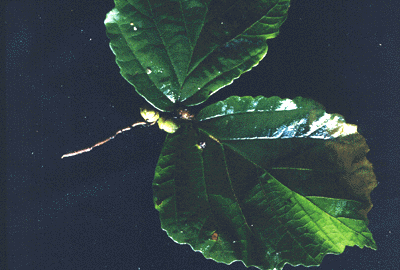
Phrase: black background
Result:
[95,211]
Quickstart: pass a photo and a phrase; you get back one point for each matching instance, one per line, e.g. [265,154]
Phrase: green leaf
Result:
[184,51]
[266,181]
[295,139]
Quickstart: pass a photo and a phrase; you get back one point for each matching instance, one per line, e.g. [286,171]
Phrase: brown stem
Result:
[106,140]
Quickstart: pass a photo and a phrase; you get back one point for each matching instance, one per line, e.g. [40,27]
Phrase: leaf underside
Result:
[184,51]
[266,181]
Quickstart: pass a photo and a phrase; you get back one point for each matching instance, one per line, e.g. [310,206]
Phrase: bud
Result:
[149,114]
[167,125]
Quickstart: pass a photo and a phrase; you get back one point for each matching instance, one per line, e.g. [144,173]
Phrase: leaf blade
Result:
[268,131]
[173,50]
[248,214]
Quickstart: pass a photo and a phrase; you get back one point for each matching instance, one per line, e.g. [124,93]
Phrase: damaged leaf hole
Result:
[214,236]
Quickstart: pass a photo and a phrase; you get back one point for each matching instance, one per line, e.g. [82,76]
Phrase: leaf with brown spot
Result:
[285,181]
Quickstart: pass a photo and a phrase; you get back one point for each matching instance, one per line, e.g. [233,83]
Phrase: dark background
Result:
[95,211]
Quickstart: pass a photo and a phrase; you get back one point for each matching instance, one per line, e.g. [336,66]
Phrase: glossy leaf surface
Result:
[184,51]
[266,181]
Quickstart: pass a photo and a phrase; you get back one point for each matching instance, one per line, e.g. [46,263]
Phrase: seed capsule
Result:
[167,125]
[149,114]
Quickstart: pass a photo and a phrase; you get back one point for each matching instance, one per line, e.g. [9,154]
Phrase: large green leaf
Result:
[183,51]
[266,181]
[296,139]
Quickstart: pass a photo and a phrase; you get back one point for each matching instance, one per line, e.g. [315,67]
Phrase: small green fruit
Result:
[167,125]
[149,114]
